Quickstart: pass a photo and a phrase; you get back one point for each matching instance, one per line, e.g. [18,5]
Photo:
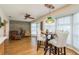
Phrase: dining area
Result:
[52,42]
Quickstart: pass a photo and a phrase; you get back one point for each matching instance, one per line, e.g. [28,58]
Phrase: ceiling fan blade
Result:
[49,6]
[31,17]
[28,16]
[25,18]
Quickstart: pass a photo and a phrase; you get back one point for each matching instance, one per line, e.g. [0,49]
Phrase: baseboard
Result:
[73,48]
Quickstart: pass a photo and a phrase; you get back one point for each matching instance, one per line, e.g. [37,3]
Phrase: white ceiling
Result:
[17,11]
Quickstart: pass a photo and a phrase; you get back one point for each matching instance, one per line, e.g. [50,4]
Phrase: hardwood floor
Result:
[27,46]
[2,49]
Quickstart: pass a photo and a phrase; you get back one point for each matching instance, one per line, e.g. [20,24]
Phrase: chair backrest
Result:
[61,38]
[40,36]
[43,36]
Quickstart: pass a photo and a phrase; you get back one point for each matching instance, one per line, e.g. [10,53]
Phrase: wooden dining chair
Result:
[40,40]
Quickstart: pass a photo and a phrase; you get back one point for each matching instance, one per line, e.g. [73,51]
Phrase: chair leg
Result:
[58,52]
[50,50]
[46,49]
[38,45]
[55,50]
[39,42]
[61,51]
[64,50]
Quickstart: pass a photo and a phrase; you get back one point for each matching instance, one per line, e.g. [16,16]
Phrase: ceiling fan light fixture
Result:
[49,6]
[28,16]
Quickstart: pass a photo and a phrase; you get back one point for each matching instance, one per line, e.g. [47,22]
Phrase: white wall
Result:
[2,15]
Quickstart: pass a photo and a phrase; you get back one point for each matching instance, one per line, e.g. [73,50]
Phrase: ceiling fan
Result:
[28,16]
[50,6]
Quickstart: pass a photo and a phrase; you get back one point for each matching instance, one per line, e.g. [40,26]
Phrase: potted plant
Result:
[2,23]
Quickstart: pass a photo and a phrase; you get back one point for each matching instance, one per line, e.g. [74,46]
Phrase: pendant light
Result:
[49,18]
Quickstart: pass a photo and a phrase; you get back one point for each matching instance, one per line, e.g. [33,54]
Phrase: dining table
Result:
[49,36]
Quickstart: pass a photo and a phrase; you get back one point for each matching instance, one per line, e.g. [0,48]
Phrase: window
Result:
[70,24]
[67,23]
[50,27]
[38,29]
[64,24]
[33,29]
[76,30]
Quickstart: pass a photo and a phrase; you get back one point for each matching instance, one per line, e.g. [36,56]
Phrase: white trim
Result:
[2,39]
